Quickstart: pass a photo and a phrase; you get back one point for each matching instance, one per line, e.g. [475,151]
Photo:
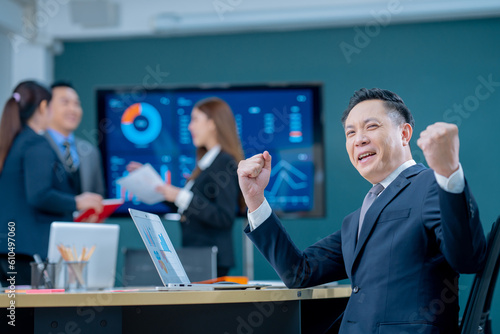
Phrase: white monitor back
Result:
[102,265]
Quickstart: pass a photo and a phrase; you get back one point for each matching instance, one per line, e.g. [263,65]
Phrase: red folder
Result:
[109,206]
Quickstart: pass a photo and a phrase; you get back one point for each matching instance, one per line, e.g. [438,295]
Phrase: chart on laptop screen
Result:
[161,249]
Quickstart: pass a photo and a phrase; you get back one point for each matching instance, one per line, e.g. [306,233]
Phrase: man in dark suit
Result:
[403,254]
[80,158]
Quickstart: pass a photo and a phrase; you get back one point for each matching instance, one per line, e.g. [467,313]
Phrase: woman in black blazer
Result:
[34,187]
[211,198]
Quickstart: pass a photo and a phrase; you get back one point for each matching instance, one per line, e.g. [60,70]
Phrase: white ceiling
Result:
[101,19]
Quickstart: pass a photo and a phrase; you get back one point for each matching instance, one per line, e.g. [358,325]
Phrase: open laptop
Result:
[165,257]
[102,264]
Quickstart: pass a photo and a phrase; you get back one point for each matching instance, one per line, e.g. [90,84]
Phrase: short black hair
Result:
[392,102]
[61,83]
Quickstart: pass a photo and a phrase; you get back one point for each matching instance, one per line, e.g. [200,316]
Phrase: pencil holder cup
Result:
[38,277]
[75,275]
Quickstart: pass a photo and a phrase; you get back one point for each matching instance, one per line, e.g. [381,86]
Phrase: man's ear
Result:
[43,107]
[406,133]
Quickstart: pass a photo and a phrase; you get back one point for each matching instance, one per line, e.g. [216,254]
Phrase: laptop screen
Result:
[160,247]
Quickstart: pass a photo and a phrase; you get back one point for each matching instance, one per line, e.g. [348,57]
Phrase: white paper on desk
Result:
[142,183]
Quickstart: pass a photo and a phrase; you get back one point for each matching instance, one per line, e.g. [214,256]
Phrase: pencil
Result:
[82,256]
[90,253]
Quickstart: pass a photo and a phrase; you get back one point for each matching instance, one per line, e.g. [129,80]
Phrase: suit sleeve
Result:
[99,175]
[39,182]
[215,200]
[91,172]
[318,264]
[457,228]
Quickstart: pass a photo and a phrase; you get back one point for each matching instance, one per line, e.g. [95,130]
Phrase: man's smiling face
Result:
[375,143]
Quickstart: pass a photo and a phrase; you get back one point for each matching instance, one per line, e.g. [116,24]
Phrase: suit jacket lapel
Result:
[82,148]
[349,237]
[54,147]
[371,217]
[200,180]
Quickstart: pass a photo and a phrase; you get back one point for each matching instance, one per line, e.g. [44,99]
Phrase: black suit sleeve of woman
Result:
[46,182]
[215,194]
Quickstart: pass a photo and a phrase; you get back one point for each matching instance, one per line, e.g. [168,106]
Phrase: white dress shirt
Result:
[185,195]
[453,184]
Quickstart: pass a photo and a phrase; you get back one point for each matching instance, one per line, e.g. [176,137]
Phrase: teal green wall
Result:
[431,65]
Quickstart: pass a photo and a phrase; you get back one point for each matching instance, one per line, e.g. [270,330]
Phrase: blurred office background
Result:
[441,56]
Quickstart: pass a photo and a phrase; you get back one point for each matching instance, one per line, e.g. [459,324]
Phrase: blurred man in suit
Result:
[403,250]
[80,158]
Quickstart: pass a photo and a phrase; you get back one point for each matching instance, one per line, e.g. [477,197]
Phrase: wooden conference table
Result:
[268,310]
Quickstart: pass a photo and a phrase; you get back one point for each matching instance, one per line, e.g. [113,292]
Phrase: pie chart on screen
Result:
[141,123]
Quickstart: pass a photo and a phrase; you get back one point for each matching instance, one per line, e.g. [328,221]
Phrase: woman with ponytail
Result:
[34,187]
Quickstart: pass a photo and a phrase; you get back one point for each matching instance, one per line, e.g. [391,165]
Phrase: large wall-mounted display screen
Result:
[151,126]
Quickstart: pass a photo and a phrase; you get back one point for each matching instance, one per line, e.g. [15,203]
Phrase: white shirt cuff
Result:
[257,217]
[183,199]
[454,184]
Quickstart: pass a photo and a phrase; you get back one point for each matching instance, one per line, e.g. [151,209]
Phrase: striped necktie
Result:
[68,159]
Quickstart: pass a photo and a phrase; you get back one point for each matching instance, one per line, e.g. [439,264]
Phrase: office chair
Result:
[476,318]
[200,263]
[139,269]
